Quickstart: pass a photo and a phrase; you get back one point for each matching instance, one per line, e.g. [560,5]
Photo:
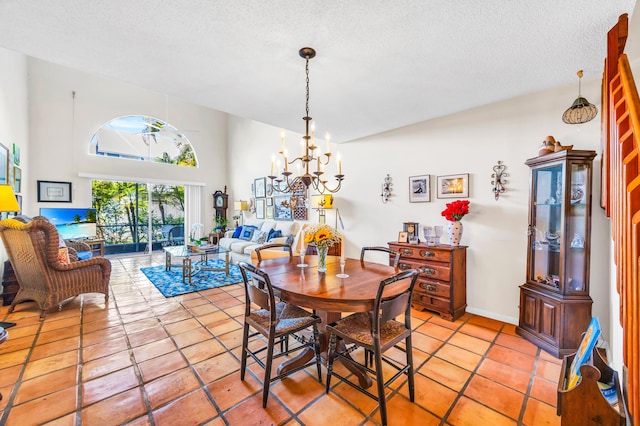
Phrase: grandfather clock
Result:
[220,203]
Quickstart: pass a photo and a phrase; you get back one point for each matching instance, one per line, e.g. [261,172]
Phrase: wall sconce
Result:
[321,203]
[499,180]
[386,189]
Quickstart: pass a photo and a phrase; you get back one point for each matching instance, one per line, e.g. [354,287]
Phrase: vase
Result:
[455,233]
[322,258]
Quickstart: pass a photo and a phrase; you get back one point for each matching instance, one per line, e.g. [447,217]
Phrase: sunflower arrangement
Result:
[321,235]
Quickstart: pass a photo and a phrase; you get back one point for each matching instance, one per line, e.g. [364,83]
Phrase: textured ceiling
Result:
[381,64]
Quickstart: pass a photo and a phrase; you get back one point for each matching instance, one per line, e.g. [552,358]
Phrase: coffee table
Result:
[194,261]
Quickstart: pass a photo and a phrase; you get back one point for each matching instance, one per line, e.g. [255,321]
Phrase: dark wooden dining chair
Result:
[377,331]
[383,249]
[285,247]
[275,322]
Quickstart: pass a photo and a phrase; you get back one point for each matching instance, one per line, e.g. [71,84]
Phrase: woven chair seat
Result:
[356,328]
[290,318]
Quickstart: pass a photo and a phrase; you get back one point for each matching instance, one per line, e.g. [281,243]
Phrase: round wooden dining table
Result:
[327,294]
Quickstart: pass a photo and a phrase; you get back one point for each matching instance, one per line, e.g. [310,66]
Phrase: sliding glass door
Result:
[124,211]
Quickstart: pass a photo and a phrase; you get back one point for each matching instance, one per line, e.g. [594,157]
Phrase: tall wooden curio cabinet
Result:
[555,306]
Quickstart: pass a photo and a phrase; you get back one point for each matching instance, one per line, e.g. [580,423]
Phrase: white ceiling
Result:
[381,64]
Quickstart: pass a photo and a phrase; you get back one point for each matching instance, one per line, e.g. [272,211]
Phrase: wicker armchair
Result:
[33,251]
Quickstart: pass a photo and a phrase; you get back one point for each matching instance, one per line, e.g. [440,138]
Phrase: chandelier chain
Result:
[307,82]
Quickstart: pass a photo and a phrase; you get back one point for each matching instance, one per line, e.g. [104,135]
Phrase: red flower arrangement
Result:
[456,210]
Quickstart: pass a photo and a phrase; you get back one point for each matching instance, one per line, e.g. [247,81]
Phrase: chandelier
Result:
[310,156]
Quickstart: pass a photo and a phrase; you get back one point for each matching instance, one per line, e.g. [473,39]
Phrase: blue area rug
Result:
[170,282]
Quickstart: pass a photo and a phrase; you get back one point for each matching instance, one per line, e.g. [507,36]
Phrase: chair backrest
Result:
[258,289]
[32,249]
[284,246]
[386,308]
[176,233]
[396,260]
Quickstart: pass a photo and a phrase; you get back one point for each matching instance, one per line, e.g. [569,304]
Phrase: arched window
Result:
[142,138]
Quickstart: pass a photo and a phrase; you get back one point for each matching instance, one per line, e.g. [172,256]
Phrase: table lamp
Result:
[8,201]
[321,203]
[241,206]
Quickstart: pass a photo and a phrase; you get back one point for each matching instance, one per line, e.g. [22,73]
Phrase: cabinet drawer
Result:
[439,271]
[430,301]
[425,253]
[433,288]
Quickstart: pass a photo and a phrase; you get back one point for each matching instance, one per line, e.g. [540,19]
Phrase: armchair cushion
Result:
[236,233]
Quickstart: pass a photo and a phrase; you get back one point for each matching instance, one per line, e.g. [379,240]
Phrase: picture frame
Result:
[16,154]
[4,165]
[269,212]
[54,192]
[270,201]
[260,208]
[419,189]
[260,186]
[453,186]
[17,179]
[282,208]
[403,237]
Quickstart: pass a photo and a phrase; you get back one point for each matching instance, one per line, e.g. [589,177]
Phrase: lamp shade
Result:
[324,201]
[241,205]
[580,112]
[8,201]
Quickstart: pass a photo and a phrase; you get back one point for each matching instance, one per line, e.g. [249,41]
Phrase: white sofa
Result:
[244,250]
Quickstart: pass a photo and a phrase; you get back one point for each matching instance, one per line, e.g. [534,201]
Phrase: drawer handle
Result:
[427,271]
[429,287]
[404,266]
[426,253]
[406,251]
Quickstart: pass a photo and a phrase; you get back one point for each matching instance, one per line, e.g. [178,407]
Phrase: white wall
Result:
[469,142]
[14,115]
[61,131]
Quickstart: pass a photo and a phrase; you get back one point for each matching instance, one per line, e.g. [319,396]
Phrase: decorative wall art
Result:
[4,165]
[419,189]
[260,208]
[282,208]
[453,186]
[260,187]
[16,154]
[17,179]
[269,212]
[54,192]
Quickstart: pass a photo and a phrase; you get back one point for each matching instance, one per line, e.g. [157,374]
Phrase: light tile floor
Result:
[143,359]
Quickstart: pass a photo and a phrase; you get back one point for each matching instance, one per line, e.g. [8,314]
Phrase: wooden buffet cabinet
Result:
[442,283]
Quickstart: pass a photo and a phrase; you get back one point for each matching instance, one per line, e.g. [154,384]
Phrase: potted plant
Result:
[221,224]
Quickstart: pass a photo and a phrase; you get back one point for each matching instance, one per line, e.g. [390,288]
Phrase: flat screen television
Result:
[72,223]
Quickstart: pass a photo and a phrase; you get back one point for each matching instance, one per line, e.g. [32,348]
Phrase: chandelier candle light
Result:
[310,154]
[454,213]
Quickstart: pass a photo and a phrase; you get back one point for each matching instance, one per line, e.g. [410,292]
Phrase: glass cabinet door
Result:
[577,231]
[545,239]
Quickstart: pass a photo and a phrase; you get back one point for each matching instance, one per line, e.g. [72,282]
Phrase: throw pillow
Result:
[259,237]
[63,255]
[237,232]
[289,239]
[274,234]
[247,233]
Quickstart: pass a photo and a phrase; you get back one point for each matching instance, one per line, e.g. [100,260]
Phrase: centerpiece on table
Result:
[322,236]
[454,213]
[194,236]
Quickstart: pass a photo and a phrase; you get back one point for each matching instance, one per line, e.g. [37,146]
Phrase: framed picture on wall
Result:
[17,179]
[260,186]
[453,186]
[269,212]
[54,192]
[260,208]
[419,189]
[4,165]
[16,154]
[282,208]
